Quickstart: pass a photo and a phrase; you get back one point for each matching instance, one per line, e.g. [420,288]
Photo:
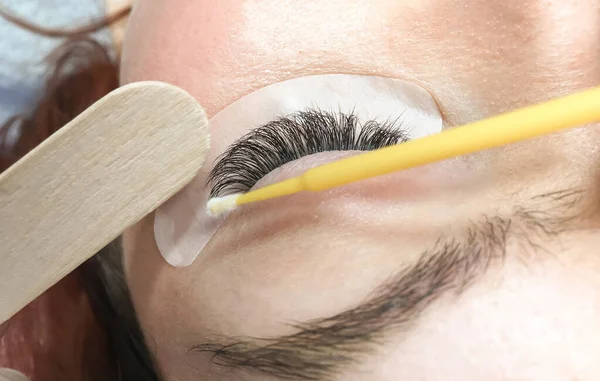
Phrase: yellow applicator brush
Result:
[570,111]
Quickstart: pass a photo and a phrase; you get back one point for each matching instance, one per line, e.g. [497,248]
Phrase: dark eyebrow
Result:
[319,349]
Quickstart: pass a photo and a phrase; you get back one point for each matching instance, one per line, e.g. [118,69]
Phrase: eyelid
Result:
[290,138]
[182,228]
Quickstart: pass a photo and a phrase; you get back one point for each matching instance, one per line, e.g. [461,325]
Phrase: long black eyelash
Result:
[289,138]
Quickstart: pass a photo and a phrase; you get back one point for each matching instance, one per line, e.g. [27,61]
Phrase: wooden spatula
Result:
[101,173]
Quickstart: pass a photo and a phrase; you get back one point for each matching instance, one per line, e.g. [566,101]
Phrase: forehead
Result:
[220,51]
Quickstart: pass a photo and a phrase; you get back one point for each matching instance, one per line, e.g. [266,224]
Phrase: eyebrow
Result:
[321,348]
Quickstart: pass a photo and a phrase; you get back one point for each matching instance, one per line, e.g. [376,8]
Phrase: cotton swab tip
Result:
[218,206]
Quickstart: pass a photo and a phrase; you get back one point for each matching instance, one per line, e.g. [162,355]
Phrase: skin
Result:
[533,317]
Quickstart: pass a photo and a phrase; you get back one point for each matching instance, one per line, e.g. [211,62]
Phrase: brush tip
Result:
[218,206]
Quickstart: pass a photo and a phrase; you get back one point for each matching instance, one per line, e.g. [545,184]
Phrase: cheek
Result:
[195,59]
[224,52]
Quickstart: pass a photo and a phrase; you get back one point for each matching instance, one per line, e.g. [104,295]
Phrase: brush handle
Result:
[571,111]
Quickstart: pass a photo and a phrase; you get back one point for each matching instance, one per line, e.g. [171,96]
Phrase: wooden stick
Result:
[98,175]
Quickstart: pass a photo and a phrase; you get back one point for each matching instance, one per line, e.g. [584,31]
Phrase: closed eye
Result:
[292,137]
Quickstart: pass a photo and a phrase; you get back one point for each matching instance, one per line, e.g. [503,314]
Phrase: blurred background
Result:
[23,63]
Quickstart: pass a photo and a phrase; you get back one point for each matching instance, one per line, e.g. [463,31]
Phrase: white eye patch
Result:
[181,226]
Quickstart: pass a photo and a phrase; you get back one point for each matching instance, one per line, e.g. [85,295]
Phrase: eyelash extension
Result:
[289,138]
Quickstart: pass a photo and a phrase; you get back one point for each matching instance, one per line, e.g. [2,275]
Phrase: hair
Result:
[102,321]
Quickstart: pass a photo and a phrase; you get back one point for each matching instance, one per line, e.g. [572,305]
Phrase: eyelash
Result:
[289,138]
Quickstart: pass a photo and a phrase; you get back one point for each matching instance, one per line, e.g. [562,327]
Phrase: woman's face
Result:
[478,268]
